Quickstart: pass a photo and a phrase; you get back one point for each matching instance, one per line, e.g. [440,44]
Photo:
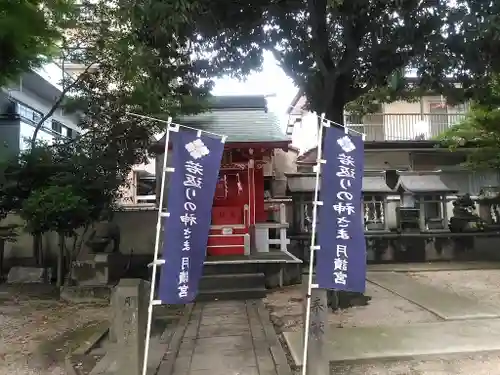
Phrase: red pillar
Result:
[251,191]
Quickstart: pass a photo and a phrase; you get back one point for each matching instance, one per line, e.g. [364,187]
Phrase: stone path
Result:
[465,327]
[433,266]
[446,305]
[233,338]
[392,342]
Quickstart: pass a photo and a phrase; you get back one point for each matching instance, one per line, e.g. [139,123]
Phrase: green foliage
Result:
[55,208]
[78,180]
[480,131]
[339,52]
[30,31]
[146,57]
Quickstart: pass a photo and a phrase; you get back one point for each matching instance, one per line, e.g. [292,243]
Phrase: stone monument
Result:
[317,361]
[101,262]
[130,313]
[464,219]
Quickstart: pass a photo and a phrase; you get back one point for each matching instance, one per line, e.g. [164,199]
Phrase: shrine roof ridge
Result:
[425,182]
[242,126]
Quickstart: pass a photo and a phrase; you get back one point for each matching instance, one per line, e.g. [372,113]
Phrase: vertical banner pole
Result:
[155,263]
[313,245]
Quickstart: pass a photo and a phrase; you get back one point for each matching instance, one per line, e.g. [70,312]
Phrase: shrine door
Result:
[229,229]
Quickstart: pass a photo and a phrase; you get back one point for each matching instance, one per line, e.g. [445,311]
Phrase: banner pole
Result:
[313,248]
[155,262]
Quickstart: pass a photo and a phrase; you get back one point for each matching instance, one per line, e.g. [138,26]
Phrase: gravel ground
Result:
[286,310]
[36,335]
[481,285]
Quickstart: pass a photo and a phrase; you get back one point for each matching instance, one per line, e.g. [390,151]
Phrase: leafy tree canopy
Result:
[339,51]
[30,31]
[55,208]
[480,130]
[147,57]
[78,173]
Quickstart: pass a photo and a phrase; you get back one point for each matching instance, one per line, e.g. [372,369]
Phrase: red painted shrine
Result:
[239,222]
[239,200]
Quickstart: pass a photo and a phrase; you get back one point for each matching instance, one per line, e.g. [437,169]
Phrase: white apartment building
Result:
[423,119]
[31,98]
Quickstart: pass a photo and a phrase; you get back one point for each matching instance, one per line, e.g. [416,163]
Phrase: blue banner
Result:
[341,258]
[196,161]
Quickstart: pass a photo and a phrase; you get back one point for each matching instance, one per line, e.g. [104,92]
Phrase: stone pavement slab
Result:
[393,342]
[446,305]
[233,338]
[433,266]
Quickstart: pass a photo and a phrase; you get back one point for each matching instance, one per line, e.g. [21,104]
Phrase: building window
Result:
[32,116]
[63,130]
[28,113]
[374,212]
[26,131]
[57,126]
[145,187]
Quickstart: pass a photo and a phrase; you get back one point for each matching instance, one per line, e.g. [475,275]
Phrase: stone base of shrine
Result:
[280,268]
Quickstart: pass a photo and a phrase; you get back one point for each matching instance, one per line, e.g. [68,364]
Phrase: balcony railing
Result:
[402,126]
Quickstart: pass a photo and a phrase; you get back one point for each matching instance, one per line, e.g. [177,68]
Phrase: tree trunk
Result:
[60,260]
[335,113]
[38,250]
[2,253]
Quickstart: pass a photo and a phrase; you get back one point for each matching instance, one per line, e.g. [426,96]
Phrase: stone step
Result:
[231,268]
[231,294]
[232,281]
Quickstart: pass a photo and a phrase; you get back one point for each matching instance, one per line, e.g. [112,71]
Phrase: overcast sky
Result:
[272,80]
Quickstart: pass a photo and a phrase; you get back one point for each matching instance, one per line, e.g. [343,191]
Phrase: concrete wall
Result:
[9,136]
[282,162]
[138,230]
[402,107]
[417,107]
[381,160]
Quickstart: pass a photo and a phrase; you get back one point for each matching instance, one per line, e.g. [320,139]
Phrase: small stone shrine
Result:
[489,207]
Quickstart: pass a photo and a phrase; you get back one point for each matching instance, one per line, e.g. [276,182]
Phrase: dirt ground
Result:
[36,335]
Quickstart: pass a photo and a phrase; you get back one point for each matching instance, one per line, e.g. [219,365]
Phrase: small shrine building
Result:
[248,218]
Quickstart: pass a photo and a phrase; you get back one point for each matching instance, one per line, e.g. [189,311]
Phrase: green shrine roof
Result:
[245,125]
[242,119]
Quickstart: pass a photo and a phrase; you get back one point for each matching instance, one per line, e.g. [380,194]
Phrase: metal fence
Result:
[402,126]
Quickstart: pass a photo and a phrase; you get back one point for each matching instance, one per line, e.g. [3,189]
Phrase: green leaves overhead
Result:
[480,131]
[339,51]
[30,31]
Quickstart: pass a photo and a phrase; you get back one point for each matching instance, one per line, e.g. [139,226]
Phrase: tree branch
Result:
[57,103]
